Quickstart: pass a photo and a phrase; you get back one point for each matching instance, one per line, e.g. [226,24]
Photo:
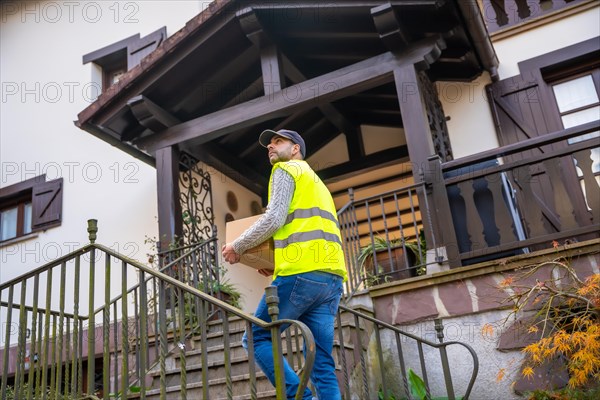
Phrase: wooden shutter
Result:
[522,108]
[46,204]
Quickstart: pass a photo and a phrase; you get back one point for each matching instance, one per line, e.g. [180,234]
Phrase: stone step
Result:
[267,395]
[218,388]
[216,364]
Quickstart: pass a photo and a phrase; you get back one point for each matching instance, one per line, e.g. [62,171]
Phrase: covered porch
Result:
[357,80]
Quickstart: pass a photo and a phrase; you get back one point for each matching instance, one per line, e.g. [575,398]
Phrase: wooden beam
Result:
[355,144]
[416,128]
[392,33]
[113,139]
[270,57]
[252,27]
[344,82]
[395,155]
[272,62]
[151,116]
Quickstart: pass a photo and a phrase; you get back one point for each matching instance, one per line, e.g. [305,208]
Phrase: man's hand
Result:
[265,272]
[229,254]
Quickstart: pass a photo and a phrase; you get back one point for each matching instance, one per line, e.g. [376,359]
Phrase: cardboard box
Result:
[259,257]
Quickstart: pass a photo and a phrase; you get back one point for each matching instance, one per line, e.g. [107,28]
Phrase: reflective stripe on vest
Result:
[305,237]
[310,212]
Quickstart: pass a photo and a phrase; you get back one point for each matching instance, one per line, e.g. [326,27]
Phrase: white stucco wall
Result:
[470,127]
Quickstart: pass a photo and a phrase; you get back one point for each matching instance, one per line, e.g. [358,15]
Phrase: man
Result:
[309,262]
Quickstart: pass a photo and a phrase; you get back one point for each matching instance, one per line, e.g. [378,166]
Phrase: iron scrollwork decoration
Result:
[436,117]
[196,201]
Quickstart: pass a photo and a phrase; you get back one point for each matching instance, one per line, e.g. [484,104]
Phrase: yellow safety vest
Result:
[310,238]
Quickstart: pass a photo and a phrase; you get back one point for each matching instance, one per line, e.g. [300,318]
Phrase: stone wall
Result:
[472,304]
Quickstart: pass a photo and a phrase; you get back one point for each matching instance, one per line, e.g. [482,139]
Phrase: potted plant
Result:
[224,290]
[385,260]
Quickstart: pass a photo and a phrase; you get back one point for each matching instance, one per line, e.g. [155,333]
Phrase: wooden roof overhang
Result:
[322,69]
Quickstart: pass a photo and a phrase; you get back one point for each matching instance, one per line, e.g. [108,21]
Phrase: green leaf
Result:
[135,389]
[416,384]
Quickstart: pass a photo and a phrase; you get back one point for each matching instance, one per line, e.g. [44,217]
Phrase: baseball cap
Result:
[266,136]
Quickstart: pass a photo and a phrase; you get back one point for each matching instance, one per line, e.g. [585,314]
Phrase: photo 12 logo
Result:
[70,11]
[50,92]
[71,171]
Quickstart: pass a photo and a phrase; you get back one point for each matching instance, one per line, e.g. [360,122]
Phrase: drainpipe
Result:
[473,20]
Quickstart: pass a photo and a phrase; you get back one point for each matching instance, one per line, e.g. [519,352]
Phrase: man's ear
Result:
[297,148]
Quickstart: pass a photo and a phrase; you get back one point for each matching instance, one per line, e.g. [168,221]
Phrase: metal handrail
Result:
[420,341]
[274,325]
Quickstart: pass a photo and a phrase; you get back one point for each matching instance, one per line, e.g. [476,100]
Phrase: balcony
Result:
[504,202]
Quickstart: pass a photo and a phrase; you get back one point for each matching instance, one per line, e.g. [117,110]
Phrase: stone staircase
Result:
[239,367]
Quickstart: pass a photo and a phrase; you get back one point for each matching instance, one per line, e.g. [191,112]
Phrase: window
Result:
[116,59]
[15,220]
[30,206]
[579,102]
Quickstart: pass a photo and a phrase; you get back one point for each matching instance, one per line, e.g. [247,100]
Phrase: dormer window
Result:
[116,59]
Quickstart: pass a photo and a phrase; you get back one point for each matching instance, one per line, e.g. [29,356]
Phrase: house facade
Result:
[147,116]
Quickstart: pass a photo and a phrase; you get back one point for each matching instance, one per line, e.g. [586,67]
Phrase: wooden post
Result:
[443,224]
[416,127]
[170,220]
[414,118]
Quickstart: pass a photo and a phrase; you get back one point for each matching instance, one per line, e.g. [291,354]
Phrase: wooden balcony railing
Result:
[500,14]
[516,198]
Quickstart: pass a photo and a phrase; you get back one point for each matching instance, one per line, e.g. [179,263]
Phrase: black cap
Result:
[266,136]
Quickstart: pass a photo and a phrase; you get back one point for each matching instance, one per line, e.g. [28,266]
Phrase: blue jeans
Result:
[312,298]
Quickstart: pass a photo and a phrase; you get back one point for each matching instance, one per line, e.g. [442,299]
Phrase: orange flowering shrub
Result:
[568,318]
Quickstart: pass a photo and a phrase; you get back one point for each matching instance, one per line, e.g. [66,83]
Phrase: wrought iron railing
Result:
[106,339]
[198,266]
[383,236]
[363,340]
